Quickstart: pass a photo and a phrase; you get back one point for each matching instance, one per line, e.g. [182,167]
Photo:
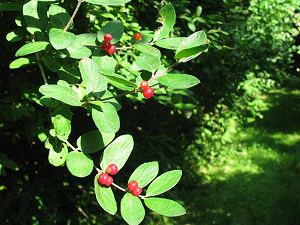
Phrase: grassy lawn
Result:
[258,180]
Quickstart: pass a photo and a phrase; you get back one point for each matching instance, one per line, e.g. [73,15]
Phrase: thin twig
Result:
[71,146]
[155,76]
[74,14]
[38,57]
[124,48]
[118,187]
[97,169]
[82,212]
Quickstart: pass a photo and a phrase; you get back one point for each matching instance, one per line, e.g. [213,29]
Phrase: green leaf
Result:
[170,43]
[132,209]
[10,6]
[106,65]
[79,164]
[32,47]
[93,141]
[94,81]
[114,27]
[61,39]
[117,152]
[106,117]
[148,49]
[145,173]
[35,15]
[86,39]
[120,79]
[148,62]
[69,74]
[77,51]
[168,15]
[51,62]
[61,121]
[108,2]
[58,16]
[178,81]
[192,47]
[105,197]
[61,93]
[113,101]
[164,182]
[8,163]
[16,35]
[17,63]
[165,207]
[57,156]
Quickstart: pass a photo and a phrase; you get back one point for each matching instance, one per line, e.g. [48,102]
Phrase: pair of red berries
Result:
[148,92]
[107,46]
[134,188]
[138,36]
[104,178]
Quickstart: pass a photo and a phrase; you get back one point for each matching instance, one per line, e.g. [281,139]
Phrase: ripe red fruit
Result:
[110,180]
[111,49]
[137,191]
[105,46]
[105,180]
[132,185]
[144,84]
[112,169]
[108,37]
[148,92]
[138,36]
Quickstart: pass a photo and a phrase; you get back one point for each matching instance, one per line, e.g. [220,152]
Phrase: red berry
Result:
[138,36]
[148,92]
[102,179]
[105,46]
[109,181]
[111,49]
[132,185]
[108,37]
[137,191]
[112,169]
[144,84]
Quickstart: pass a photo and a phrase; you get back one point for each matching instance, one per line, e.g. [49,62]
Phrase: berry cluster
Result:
[138,36]
[148,92]
[107,46]
[104,178]
[134,188]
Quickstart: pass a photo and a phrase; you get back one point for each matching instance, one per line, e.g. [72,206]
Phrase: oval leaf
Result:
[117,152]
[32,47]
[105,197]
[165,207]
[78,51]
[106,117]
[93,141]
[164,182]
[132,209]
[94,81]
[145,173]
[148,62]
[35,15]
[61,93]
[58,16]
[79,164]
[20,63]
[114,27]
[178,81]
[61,39]
[170,43]
[57,157]
[168,15]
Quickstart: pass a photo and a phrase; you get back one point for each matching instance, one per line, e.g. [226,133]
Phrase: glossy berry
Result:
[111,49]
[108,37]
[138,36]
[103,179]
[105,46]
[148,92]
[144,84]
[112,169]
[137,191]
[110,180]
[132,185]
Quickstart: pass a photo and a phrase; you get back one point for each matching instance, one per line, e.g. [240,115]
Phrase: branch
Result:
[118,187]
[38,57]
[74,14]
[71,146]
[155,76]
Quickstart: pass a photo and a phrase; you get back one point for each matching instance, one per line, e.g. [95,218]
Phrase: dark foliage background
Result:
[235,136]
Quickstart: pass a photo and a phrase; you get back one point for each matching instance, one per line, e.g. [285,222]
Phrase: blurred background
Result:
[236,136]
